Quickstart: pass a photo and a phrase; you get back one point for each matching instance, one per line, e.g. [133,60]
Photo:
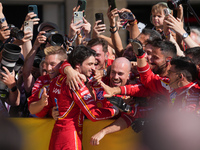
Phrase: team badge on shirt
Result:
[100,95]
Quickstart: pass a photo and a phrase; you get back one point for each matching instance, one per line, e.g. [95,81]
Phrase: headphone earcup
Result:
[165,4]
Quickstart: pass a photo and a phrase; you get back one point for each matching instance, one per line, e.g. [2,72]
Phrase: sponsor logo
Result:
[100,95]
[56,91]
[46,81]
[84,92]
[86,97]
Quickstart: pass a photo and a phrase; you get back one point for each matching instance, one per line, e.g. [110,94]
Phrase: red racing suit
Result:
[183,98]
[72,105]
[145,101]
[101,101]
[37,90]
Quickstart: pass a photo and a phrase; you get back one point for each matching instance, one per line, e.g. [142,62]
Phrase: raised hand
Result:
[4,33]
[98,29]
[8,78]
[41,39]
[137,47]
[73,78]
[107,89]
[112,15]
[86,26]
[44,98]
[29,17]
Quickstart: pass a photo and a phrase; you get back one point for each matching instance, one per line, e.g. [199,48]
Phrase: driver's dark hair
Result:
[80,54]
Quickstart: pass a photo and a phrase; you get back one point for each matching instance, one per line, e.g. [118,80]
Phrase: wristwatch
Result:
[185,35]
[2,20]
[14,88]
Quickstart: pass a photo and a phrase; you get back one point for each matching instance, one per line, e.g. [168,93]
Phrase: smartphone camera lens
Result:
[79,3]
[31,8]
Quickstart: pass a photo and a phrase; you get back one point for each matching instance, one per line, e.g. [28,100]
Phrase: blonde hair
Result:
[52,50]
[159,7]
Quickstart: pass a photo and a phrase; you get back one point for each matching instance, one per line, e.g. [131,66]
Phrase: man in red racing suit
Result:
[73,105]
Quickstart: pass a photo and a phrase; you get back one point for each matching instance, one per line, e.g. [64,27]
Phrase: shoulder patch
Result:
[165,85]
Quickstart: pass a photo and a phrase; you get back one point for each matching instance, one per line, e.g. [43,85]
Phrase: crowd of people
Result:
[89,75]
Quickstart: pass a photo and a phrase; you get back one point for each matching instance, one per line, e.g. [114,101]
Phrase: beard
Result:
[159,69]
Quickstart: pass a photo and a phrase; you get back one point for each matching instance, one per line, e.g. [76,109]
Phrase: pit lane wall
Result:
[37,133]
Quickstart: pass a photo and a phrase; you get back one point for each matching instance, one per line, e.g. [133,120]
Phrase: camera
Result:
[37,60]
[10,55]
[54,38]
[15,32]
[173,4]
[19,63]
[126,16]
[30,8]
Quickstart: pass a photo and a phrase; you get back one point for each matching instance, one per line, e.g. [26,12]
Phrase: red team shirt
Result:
[183,98]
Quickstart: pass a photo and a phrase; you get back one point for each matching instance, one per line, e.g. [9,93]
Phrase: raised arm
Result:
[85,101]
[116,40]
[27,46]
[169,37]
[132,24]
[4,22]
[28,77]
[176,25]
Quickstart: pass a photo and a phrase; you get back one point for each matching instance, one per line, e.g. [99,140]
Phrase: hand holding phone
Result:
[33,8]
[56,101]
[82,4]
[166,11]
[112,4]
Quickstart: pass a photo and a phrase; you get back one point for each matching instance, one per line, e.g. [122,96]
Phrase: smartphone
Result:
[78,16]
[33,8]
[82,4]
[166,11]
[126,16]
[112,4]
[28,26]
[56,101]
[99,16]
